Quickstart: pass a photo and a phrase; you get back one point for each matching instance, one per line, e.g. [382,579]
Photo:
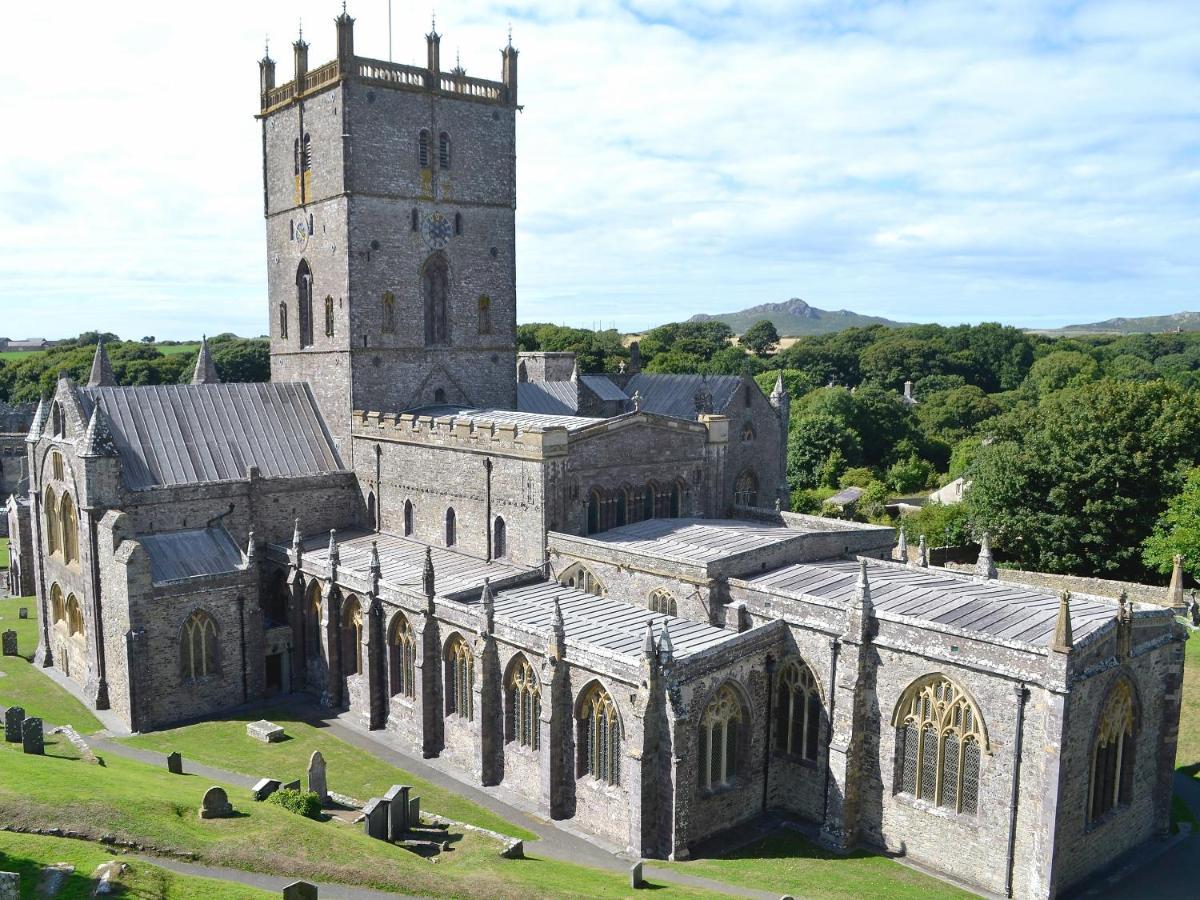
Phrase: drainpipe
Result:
[834,647]
[487,518]
[241,602]
[378,523]
[767,736]
[1020,692]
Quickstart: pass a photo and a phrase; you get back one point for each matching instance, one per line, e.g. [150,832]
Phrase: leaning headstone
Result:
[267,732]
[375,821]
[316,776]
[32,738]
[215,804]
[414,812]
[175,763]
[14,718]
[397,798]
[300,890]
[515,850]
[10,643]
[264,788]
[292,785]
[23,612]
[635,875]
[10,886]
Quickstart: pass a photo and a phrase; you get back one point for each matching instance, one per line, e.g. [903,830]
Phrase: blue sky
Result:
[1030,162]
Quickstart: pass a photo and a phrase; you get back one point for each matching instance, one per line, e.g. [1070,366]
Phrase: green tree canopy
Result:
[1177,531]
[760,338]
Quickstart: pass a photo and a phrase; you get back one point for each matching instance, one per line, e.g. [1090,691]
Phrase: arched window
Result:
[435,286]
[408,518]
[352,626]
[74,617]
[198,646]
[719,728]
[443,151]
[53,529]
[372,514]
[581,578]
[460,679]
[451,527]
[676,500]
[593,512]
[70,529]
[402,658]
[58,610]
[1113,753]
[304,291]
[522,372]
[499,538]
[622,510]
[748,433]
[56,465]
[389,313]
[485,314]
[439,395]
[423,149]
[312,621]
[599,740]
[328,316]
[661,601]
[283,321]
[524,712]
[940,737]
[798,712]
[58,422]
[745,489]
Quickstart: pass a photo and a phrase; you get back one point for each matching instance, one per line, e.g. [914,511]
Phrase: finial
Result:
[375,564]
[648,640]
[862,587]
[333,547]
[206,370]
[296,533]
[343,7]
[1063,638]
[102,373]
[666,647]
[489,606]
[427,576]
[266,46]
[1122,607]
[302,29]
[433,21]
[250,548]
[922,554]
[637,401]
[986,566]
[902,547]
[457,58]
[556,620]
[510,34]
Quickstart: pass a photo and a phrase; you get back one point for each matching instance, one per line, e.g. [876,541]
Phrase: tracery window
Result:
[581,578]
[70,529]
[798,711]
[748,434]
[745,489]
[389,313]
[460,679]
[940,738]
[58,612]
[74,617]
[661,601]
[435,284]
[312,621]
[599,739]
[352,625]
[198,646]
[53,529]
[408,518]
[524,705]
[304,289]
[402,658]
[1113,753]
[719,726]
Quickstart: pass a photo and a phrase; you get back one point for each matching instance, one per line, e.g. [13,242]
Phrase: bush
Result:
[303,803]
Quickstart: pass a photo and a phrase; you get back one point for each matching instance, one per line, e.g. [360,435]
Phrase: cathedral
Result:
[584,589]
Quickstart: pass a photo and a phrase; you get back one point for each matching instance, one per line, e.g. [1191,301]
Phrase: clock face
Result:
[436,230]
[302,233]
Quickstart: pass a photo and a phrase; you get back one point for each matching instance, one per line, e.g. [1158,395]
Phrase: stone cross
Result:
[32,738]
[375,822]
[175,763]
[316,776]
[215,804]
[9,643]
[14,717]
[300,890]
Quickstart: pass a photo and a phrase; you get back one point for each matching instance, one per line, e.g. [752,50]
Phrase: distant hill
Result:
[1180,321]
[795,318]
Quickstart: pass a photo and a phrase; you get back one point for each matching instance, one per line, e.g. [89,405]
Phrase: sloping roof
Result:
[600,622]
[557,398]
[846,495]
[194,552]
[195,433]
[603,387]
[520,418]
[1000,609]
[675,395]
[695,541]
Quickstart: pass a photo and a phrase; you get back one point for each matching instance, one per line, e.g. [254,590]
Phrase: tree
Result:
[761,337]
[1178,531]
[1059,369]
[813,439]
[908,475]
[148,339]
[943,526]
[242,360]
[953,415]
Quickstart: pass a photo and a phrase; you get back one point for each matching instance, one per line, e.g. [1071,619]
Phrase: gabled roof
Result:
[191,553]
[196,433]
[556,398]
[675,395]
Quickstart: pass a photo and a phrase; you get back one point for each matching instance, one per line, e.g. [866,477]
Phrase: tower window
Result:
[458,223]
[451,527]
[485,314]
[443,151]
[439,396]
[329,317]
[283,321]
[435,282]
[389,313]
[499,539]
[304,302]
[416,224]
[423,149]
[408,518]
[296,156]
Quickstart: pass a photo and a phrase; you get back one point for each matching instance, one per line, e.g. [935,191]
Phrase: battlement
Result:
[513,438]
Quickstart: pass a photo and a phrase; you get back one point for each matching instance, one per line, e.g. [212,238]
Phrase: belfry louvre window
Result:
[1113,754]
[719,728]
[798,712]
[940,739]
[524,705]
[198,646]
[423,149]
[402,658]
[328,316]
[599,737]
[443,151]
[460,679]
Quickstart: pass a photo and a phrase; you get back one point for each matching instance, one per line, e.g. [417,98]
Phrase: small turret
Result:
[98,439]
[509,71]
[900,554]
[102,372]
[1064,640]
[433,47]
[861,613]
[266,74]
[648,640]
[345,42]
[1175,597]
[427,576]
[375,569]
[666,647]
[206,369]
[38,425]
[300,49]
[250,551]
[557,645]
[779,392]
[985,567]
[297,537]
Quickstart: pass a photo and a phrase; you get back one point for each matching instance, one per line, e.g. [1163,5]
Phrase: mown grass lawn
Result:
[224,744]
[1187,752]
[26,854]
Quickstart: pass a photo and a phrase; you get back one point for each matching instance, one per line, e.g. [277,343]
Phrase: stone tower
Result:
[389,193]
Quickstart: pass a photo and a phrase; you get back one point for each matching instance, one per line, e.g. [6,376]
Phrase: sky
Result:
[1035,163]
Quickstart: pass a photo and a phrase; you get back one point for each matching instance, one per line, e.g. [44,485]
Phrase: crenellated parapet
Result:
[465,433]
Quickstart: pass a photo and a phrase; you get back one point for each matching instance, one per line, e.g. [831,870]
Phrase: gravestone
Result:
[375,822]
[175,763]
[215,804]
[316,776]
[635,875]
[23,612]
[10,886]
[264,788]
[414,813]
[300,890]
[397,798]
[292,785]
[515,850]
[10,643]
[14,717]
[267,732]
[32,739]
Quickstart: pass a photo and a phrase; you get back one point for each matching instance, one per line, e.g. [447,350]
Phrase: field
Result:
[164,349]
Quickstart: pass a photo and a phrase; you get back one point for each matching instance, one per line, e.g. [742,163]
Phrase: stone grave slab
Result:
[267,732]
[264,788]
[175,763]
[300,890]
[292,785]
[14,718]
[9,643]
[316,777]
[375,818]
[23,612]
[33,740]
[10,886]
[397,798]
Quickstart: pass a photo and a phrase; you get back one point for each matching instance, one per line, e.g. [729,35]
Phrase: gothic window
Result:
[416,220]
[523,721]
[940,737]
[451,527]
[748,394]
[719,726]
[53,529]
[304,291]
[312,621]
[745,489]
[58,610]
[408,518]
[522,372]
[402,658]
[74,617]
[389,313]
[352,625]
[581,578]
[599,740]
[329,316]
[58,422]
[458,223]
[198,646]
[485,314]
[423,149]
[499,538]
[1113,753]
[435,287]
[56,465]
[70,529]
[661,601]
[372,513]
[283,321]
[443,151]
[798,712]
[748,434]
[439,395]
[593,512]
[460,679]
[307,156]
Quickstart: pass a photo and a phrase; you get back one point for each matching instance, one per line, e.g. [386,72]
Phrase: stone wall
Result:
[1079,584]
